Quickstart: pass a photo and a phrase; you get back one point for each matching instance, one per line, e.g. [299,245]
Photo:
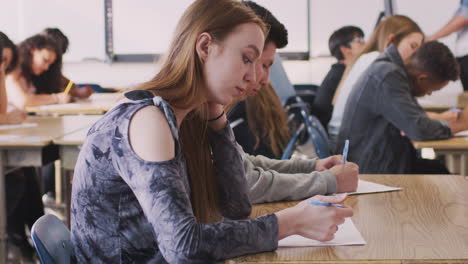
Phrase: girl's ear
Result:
[202,45]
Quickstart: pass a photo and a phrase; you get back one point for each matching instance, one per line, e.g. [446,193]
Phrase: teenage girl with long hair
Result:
[36,54]
[137,194]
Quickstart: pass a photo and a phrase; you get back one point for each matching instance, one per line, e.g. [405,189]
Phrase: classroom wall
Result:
[83,22]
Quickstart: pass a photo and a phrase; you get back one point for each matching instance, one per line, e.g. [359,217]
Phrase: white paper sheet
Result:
[8,137]
[462,134]
[371,187]
[24,125]
[69,106]
[346,235]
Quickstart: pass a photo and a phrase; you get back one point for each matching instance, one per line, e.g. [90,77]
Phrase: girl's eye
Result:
[246,60]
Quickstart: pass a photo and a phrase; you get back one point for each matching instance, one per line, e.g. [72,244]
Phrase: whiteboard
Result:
[147,28]
[81,21]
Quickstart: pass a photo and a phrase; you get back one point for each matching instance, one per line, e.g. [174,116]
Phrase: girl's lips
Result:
[240,91]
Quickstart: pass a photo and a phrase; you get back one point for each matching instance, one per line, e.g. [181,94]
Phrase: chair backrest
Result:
[52,240]
[280,81]
[319,137]
[288,96]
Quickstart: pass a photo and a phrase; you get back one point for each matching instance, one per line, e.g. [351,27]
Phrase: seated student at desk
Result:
[47,82]
[23,200]
[278,180]
[345,45]
[36,54]
[382,116]
[139,198]
[394,30]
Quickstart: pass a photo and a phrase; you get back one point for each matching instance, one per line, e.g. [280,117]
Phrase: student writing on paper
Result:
[392,30]
[345,44]
[382,116]
[137,194]
[278,180]
[36,54]
[48,83]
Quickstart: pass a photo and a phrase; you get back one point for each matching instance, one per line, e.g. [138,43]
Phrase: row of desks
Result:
[33,146]
[426,221]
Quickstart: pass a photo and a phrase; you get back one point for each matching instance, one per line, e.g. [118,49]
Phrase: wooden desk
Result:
[454,149]
[425,222]
[32,147]
[97,103]
[69,148]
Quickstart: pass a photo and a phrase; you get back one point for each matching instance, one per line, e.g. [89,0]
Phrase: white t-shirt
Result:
[338,109]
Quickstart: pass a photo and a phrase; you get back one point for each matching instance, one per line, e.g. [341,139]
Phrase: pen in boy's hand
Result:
[345,151]
[320,203]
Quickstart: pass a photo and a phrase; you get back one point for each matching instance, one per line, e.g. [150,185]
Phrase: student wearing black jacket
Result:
[344,44]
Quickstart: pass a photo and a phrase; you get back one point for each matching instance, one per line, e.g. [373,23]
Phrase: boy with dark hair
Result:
[278,180]
[382,116]
[344,44]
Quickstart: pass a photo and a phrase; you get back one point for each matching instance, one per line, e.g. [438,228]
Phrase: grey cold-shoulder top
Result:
[128,210]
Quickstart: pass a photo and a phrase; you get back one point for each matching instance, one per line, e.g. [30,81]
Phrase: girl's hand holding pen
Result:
[316,221]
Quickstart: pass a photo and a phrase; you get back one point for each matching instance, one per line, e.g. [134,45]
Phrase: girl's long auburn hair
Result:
[398,25]
[267,119]
[181,83]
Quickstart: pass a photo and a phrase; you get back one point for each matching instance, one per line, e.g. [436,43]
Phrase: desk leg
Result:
[463,165]
[3,212]
[450,159]
[58,182]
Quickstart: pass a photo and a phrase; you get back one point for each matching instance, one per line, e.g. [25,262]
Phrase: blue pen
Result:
[345,151]
[319,203]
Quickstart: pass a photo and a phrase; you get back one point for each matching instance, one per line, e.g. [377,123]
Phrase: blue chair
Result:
[294,104]
[52,240]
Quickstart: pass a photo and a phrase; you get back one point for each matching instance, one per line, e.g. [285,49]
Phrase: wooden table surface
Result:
[97,103]
[454,143]
[425,222]
[47,129]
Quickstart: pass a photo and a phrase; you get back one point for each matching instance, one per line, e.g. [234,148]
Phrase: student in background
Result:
[459,24]
[278,180]
[393,30]
[345,45]
[9,60]
[382,116]
[36,54]
[132,199]
[23,201]
[48,82]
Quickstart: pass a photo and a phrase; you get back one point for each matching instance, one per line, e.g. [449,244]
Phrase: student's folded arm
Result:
[271,186]
[293,165]
[230,174]
[162,194]
[398,106]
